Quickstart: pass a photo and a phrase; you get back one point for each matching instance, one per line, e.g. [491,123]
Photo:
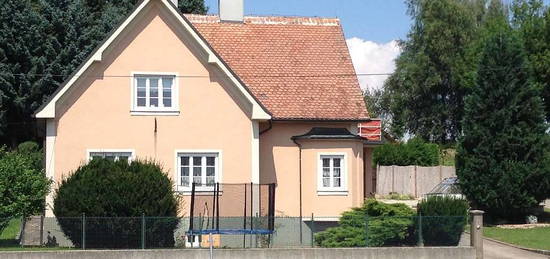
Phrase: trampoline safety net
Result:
[244,208]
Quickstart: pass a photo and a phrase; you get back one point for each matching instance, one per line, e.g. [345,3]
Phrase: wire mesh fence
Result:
[170,232]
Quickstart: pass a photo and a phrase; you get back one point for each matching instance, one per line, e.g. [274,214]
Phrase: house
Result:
[228,98]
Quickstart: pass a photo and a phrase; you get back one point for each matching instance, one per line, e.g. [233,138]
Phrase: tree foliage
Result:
[502,158]
[531,18]
[42,43]
[388,224]
[434,71]
[107,189]
[23,184]
[414,152]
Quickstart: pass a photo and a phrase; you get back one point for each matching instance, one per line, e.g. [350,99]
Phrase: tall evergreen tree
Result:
[26,50]
[502,159]
[435,69]
[44,41]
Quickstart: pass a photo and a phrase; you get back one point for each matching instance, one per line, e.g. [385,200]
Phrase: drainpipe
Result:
[300,181]
[268,128]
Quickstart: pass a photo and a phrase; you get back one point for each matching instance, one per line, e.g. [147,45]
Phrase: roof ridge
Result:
[270,20]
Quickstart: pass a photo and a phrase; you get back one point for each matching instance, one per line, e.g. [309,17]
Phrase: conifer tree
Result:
[42,43]
[502,158]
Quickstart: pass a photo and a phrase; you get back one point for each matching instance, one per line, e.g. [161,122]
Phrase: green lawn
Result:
[538,238]
[9,234]
[11,231]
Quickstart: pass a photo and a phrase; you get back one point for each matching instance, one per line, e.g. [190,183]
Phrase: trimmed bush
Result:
[102,189]
[443,220]
[414,152]
[23,186]
[388,224]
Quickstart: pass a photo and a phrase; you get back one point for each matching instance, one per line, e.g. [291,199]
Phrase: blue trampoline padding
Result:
[230,231]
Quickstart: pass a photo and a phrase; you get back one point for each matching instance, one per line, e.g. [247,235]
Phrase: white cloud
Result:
[370,57]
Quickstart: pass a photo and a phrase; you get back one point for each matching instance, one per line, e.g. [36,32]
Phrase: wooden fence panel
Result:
[413,180]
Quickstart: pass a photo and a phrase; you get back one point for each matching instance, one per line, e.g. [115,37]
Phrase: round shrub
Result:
[388,224]
[110,198]
[443,220]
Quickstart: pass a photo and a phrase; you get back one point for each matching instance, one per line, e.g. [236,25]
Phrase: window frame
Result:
[177,169]
[136,110]
[130,158]
[343,189]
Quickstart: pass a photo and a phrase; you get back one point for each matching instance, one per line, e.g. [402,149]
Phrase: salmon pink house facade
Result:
[228,99]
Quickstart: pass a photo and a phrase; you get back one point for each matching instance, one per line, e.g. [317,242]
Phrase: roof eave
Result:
[47,109]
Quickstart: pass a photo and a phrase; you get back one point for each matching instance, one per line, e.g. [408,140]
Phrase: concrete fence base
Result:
[290,253]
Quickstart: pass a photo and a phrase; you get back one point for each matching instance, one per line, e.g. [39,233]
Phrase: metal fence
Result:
[170,232]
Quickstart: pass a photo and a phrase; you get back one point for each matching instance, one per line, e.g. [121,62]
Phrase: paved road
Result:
[494,250]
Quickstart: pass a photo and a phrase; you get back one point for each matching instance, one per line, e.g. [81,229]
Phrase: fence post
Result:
[476,232]
[420,237]
[143,231]
[312,231]
[366,230]
[83,231]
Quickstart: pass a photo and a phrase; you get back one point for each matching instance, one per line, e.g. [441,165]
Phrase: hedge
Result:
[414,152]
[443,220]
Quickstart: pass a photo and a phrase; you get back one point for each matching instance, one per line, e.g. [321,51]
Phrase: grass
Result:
[11,231]
[447,157]
[9,234]
[538,238]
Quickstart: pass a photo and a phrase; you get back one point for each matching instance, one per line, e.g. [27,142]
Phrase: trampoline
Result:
[232,209]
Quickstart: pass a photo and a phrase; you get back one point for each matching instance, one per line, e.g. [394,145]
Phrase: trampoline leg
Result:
[210,241]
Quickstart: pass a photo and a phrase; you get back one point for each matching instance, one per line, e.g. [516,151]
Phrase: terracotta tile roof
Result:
[297,67]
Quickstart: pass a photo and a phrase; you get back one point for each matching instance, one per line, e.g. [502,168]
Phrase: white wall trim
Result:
[258,112]
[177,179]
[255,151]
[51,134]
[49,110]
[344,175]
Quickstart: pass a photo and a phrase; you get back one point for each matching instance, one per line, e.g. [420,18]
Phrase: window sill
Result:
[332,193]
[154,113]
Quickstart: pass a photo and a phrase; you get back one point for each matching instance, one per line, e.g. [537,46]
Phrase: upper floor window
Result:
[154,93]
[332,173]
[200,168]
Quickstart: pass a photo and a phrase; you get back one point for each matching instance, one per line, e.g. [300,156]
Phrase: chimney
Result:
[231,10]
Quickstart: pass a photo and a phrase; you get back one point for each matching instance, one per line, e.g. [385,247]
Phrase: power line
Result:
[208,76]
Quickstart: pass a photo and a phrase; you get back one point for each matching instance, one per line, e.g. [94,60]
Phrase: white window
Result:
[154,93]
[200,168]
[332,173]
[111,155]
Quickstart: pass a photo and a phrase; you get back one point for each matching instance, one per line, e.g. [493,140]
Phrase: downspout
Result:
[300,181]
[268,128]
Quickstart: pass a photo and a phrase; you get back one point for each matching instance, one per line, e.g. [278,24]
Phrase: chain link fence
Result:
[169,232]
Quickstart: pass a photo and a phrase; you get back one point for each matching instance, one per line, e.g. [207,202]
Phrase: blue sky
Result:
[374,20]
[371,28]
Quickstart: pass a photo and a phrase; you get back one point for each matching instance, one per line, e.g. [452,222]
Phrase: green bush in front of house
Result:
[113,195]
[443,220]
[388,224]
[414,152]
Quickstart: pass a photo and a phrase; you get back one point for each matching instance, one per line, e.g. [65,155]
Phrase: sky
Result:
[371,28]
